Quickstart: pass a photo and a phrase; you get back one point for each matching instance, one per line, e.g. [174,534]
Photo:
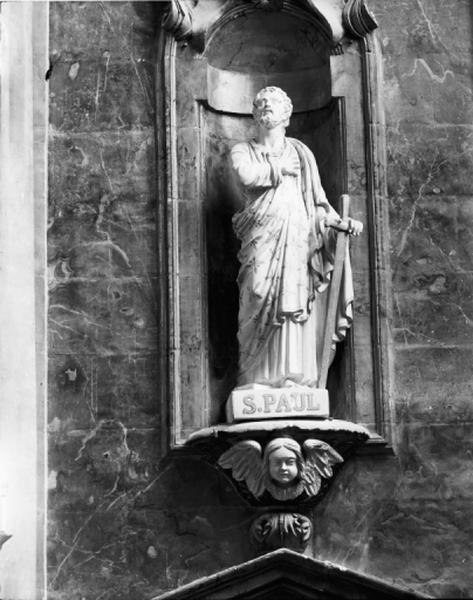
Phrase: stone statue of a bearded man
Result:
[287,253]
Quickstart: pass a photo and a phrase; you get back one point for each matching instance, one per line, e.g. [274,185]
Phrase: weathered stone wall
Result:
[409,518]
[428,66]
[103,364]
[121,528]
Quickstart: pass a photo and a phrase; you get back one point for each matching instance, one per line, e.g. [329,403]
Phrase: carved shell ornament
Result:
[285,470]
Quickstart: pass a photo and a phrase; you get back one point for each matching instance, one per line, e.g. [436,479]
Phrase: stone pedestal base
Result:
[277,403]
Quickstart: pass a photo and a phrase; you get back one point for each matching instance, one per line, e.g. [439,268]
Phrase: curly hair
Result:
[281,93]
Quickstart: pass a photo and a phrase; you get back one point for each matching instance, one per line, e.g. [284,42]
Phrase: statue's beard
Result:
[268,121]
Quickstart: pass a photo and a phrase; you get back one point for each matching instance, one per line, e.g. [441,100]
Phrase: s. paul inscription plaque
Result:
[274,403]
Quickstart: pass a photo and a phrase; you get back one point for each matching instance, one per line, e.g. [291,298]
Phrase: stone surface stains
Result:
[73,71]
[71,374]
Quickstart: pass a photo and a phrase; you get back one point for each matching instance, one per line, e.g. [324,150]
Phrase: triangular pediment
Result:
[286,575]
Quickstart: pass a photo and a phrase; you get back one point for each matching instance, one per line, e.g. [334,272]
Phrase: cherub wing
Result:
[244,459]
[320,457]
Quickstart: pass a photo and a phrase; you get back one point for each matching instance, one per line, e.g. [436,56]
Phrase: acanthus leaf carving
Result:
[272,531]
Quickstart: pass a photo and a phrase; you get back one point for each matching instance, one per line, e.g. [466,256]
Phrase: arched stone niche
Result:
[204,94]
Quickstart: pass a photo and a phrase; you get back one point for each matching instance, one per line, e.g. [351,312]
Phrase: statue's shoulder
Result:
[299,146]
[306,155]
[241,147]
[240,152]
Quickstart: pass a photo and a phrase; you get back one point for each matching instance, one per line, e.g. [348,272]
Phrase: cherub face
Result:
[283,466]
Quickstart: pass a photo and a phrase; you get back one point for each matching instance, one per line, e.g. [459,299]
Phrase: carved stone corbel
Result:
[272,531]
[284,463]
[284,470]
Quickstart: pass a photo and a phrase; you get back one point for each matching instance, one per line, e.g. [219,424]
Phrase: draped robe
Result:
[286,256]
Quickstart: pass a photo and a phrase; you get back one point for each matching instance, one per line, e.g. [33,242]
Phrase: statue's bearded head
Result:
[272,107]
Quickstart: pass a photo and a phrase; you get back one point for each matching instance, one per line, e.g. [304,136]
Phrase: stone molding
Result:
[350,19]
[358,19]
[23,220]
[178,20]
[284,574]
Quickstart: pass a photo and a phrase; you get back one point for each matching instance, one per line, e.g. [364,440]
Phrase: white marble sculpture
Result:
[287,231]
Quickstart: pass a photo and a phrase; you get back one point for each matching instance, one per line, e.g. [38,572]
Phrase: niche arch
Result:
[204,92]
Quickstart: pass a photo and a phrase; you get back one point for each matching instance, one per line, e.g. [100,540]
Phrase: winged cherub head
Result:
[283,465]
[285,470]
